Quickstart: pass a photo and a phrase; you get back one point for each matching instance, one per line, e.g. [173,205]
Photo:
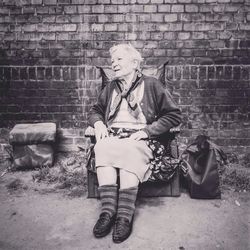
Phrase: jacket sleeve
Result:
[167,114]
[98,110]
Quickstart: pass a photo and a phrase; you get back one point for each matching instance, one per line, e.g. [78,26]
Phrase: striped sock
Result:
[126,202]
[108,197]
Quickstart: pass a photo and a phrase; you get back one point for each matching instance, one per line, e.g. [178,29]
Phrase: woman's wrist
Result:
[98,124]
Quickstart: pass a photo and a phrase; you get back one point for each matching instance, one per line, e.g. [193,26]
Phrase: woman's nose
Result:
[114,64]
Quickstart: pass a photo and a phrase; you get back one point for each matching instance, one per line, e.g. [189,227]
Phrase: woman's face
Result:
[122,63]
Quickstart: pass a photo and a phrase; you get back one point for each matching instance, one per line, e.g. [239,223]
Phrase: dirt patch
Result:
[48,209]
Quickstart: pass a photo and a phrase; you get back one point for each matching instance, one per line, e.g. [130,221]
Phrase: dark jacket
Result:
[157,105]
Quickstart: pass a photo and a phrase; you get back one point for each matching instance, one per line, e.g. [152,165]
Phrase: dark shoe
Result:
[103,225]
[122,229]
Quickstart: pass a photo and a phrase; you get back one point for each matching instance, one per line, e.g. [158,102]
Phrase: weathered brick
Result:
[110,9]
[112,1]
[196,27]
[191,8]
[150,8]
[117,18]
[131,18]
[97,27]
[244,26]
[177,8]
[164,8]
[157,1]
[97,8]
[171,18]
[156,36]
[90,18]
[82,9]
[37,2]
[69,27]
[157,18]
[206,8]
[110,27]
[28,10]
[184,35]
[50,2]
[63,1]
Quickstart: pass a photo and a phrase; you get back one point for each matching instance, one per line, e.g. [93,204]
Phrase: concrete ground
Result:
[33,218]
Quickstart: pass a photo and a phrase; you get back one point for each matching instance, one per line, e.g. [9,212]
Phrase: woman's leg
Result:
[128,179]
[126,206]
[108,191]
[106,175]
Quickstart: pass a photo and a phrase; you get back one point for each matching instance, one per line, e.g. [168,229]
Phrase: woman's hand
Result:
[101,130]
[139,135]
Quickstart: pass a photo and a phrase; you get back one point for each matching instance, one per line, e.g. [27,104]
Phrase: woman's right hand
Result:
[101,130]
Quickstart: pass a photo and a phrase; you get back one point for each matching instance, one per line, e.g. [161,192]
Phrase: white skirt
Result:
[128,154]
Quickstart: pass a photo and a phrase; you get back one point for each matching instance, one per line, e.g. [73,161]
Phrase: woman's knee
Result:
[106,175]
[128,179]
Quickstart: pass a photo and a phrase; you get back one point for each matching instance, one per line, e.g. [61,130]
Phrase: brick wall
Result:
[48,50]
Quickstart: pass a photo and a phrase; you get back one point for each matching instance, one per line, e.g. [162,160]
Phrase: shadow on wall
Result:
[5,76]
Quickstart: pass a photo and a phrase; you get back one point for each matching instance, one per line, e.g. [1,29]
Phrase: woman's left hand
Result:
[139,135]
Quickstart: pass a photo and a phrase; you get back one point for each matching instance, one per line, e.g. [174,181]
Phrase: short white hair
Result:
[133,52]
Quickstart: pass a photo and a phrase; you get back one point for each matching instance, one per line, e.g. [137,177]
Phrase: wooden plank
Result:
[175,185]
[92,185]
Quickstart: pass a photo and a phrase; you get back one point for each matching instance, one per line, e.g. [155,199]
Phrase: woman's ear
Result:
[136,64]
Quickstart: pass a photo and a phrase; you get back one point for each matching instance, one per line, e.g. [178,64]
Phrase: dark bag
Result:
[199,166]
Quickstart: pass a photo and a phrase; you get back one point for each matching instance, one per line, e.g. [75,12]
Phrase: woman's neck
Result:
[129,79]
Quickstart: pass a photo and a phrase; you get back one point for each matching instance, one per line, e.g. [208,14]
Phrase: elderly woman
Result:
[130,111]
